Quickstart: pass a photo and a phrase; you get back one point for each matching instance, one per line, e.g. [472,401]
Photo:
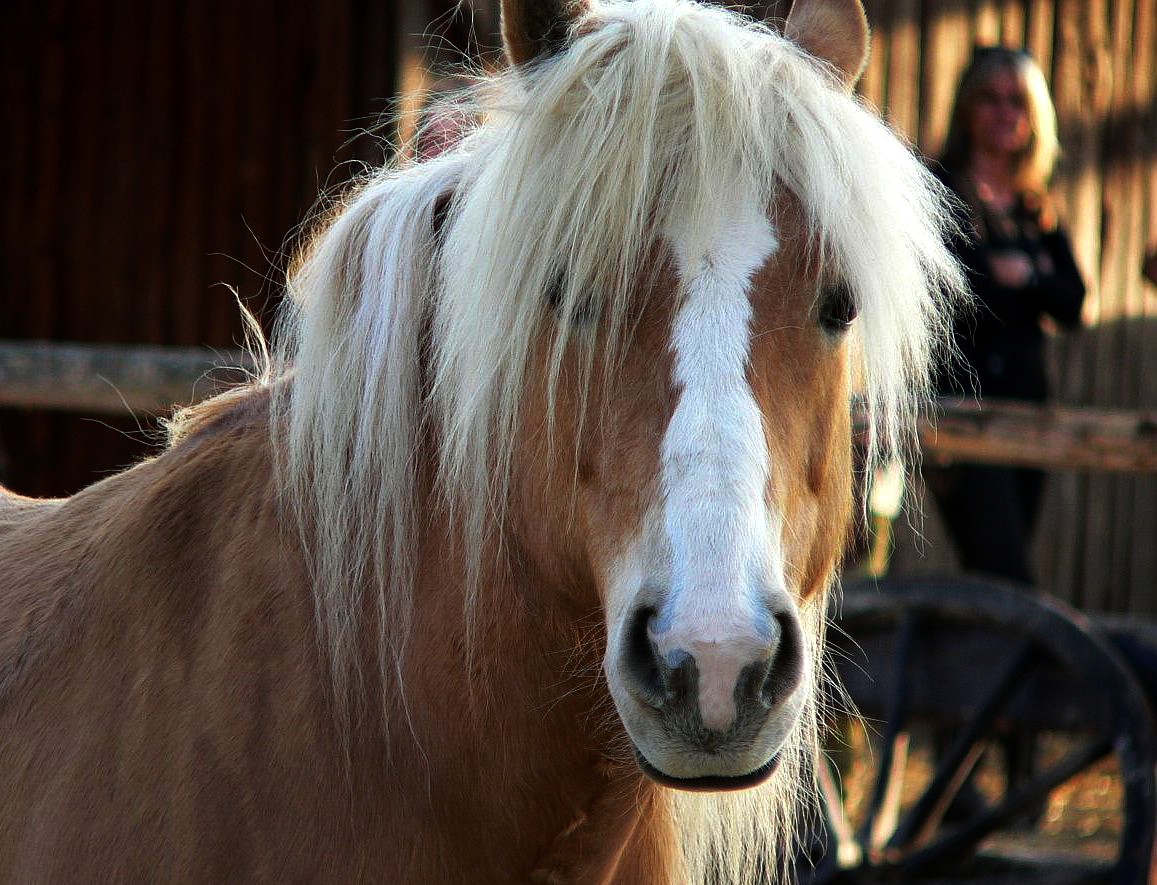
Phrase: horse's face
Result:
[713,485]
[713,493]
[713,498]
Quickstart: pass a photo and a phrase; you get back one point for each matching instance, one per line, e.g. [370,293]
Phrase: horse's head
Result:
[667,248]
[707,449]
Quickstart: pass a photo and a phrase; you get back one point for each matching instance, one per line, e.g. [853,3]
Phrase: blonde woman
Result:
[998,157]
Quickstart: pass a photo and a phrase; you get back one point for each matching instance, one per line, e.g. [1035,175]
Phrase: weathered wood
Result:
[987,23]
[873,83]
[904,66]
[1039,32]
[947,35]
[1049,437]
[113,379]
[1144,555]
[1012,24]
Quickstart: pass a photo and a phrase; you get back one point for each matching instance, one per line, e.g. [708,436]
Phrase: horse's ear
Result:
[833,30]
[537,28]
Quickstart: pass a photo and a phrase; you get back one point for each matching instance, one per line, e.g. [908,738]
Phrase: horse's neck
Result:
[112,545]
[630,827]
[15,509]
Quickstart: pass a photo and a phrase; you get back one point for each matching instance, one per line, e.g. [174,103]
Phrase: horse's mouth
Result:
[711,783]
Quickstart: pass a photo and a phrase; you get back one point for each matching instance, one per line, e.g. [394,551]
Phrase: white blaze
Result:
[725,561]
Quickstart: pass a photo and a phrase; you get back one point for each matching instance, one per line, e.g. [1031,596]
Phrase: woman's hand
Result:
[1011,268]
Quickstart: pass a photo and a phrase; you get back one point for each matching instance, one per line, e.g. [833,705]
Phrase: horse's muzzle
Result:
[716,687]
[712,706]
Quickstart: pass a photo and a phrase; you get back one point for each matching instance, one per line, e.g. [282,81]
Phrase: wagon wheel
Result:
[951,675]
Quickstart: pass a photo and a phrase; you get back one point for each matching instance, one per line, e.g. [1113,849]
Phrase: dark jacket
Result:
[1000,338]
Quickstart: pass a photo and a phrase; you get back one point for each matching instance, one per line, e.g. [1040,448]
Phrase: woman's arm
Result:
[1057,285]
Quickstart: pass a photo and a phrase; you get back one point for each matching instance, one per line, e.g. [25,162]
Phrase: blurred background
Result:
[157,153]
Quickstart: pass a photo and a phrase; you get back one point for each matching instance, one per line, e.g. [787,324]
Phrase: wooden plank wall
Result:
[1097,547]
[153,154]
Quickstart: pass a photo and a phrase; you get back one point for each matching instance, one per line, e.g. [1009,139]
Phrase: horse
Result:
[512,563]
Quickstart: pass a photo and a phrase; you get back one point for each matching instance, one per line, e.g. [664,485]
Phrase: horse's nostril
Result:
[785,669]
[678,676]
[641,662]
[721,684]
[752,685]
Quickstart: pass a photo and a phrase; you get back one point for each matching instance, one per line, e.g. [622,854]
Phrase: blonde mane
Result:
[569,177]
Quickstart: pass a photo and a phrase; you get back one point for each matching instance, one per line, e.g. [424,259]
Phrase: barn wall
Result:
[154,154]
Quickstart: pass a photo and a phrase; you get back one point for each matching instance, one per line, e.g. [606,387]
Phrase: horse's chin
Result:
[711,783]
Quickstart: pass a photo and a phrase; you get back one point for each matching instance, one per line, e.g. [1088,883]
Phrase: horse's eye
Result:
[554,293]
[837,308]
[584,311]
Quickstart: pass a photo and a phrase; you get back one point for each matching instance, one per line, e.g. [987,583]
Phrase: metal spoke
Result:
[846,849]
[841,851]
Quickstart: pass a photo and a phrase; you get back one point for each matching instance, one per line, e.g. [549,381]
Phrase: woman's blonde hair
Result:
[1034,165]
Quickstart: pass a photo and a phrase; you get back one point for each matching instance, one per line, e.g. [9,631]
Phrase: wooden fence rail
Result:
[1047,437]
[113,379]
[116,379]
